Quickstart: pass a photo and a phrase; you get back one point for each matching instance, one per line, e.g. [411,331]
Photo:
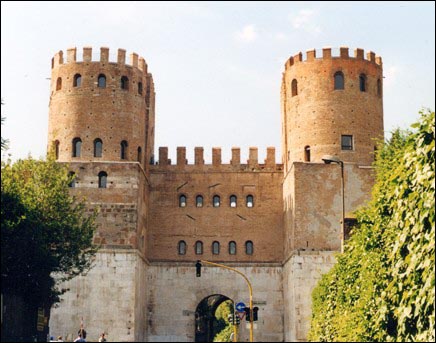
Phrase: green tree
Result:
[223,328]
[383,287]
[46,235]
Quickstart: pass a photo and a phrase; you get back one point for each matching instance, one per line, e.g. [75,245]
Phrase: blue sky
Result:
[216,66]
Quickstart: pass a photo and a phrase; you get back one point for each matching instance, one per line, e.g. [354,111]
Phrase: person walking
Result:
[102,338]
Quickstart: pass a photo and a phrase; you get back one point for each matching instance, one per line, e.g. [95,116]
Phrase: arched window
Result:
[216,201]
[339,80]
[58,84]
[362,82]
[102,179]
[250,201]
[216,248]
[294,86]
[72,176]
[379,87]
[233,201]
[56,149]
[124,82]
[101,81]
[199,201]
[307,153]
[249,247]
[77,81]
[199,248]
[182,248]
[182,200]
[123,154]
[77,147]
[140,88]
[232,248]
[139,158]
[98,147]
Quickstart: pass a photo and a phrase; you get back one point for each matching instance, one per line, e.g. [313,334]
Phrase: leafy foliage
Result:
[225,329]
[45,235]
[383,287]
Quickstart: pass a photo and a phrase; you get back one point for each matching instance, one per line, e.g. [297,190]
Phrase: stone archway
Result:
[205,317]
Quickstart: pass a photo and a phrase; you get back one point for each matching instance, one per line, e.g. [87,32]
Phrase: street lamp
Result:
[334,159]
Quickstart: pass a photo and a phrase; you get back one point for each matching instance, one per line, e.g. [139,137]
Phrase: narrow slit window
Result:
[77,147]
[139,157]
[250,201]
[215,248]
[199,248]
[59,84]
[294,86]
[140,88]
[56,149]
[101,81]
[98,147]
[362,82]
[125,83]
[339,80]
[379,88]
[199,201]
[216,201]
[232,248]
[77,81]
[123,151]
[102,179]
[182,200]
[307,153]
[249,247]
[233,201]
[182,248]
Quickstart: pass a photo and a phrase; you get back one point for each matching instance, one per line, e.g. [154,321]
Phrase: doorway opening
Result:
[211,318]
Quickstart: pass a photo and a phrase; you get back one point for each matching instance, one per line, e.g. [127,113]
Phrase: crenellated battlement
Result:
[71,57]
[235,164]
[328,54]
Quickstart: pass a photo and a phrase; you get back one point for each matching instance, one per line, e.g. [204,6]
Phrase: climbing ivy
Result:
[382,287]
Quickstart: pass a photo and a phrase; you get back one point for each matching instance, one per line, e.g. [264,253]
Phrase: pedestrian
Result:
[102,338]
[60,339]
[80,338]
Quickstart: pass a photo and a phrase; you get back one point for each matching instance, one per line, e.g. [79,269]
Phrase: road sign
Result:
[240,307]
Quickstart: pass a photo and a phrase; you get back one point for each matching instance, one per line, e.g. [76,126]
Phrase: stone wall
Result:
[174,293]
[110,298]
[300,275]
[313,203]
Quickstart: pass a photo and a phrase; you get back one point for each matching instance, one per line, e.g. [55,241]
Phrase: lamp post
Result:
[334,159]
[250,289]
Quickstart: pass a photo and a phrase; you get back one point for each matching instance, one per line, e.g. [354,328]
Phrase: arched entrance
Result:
[206,324]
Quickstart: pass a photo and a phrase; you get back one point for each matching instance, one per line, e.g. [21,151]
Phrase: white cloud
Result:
[247,34]
[306,20]
[280,36]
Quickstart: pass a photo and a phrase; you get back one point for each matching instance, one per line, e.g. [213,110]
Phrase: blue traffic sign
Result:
[240,307]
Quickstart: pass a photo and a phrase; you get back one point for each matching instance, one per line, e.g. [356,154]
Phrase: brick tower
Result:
[331,105]
[101,110]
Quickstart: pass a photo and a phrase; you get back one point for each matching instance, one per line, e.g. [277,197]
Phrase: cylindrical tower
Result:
[101,110]
[331,106]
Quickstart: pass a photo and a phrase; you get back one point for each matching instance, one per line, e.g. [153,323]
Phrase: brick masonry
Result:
[142,288]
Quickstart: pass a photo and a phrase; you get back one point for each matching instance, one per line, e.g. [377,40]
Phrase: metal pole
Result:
[250,289]
[343,207]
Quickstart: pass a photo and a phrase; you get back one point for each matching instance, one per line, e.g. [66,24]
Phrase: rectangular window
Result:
[347,142]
